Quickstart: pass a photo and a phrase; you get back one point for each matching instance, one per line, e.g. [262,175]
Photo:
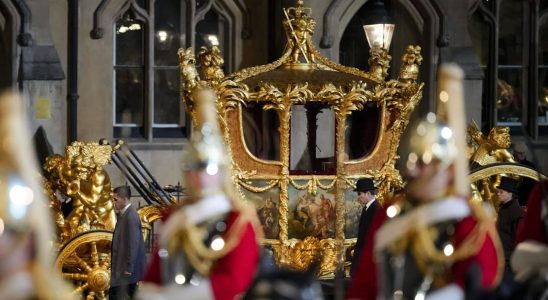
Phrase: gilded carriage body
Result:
[301,131]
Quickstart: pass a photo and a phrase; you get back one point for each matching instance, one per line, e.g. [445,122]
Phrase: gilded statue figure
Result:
[189,74]
[411,60]
[212,61]
[490,149]
[379,60]
[79,179]
[487,150]
[299,28]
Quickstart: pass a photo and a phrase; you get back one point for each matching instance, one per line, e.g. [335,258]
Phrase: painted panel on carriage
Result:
[311,215]
[267,205]
[353,212]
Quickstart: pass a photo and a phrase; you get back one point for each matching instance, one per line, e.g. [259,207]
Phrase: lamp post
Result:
[378,26]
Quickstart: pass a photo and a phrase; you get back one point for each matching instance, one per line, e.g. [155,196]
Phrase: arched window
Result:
[129,75]
[505,34]
[481,25]
[147,36]
[512,62]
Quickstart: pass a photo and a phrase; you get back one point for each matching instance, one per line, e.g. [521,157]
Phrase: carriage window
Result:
[260,129]
[312,139]
[362,132]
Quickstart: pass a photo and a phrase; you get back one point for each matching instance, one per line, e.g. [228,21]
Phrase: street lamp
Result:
[378,26]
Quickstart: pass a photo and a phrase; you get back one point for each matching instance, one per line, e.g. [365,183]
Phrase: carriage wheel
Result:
[85,260]
[485,176]
[504,168]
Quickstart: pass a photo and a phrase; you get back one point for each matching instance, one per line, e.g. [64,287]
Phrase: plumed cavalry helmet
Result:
[440,138]
[431,140]
[23,210]
[206,150]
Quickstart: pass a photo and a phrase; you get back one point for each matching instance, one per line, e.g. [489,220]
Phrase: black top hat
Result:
[508,184]
[364,185]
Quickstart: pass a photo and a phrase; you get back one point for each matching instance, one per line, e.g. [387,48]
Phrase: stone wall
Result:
[440,30]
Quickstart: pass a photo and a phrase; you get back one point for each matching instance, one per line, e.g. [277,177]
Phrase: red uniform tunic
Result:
[531,226]
[364,284]
[232,274]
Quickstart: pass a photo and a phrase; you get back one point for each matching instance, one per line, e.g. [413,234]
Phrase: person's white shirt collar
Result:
[369,204]
[125,208]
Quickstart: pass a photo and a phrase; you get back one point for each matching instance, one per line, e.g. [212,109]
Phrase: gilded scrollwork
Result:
[379,62]
[344,102]
[387,180]
[211,62]
[299,254]
[312,185]
[253,71]
[232,94]
[338,67]
[248,186]
[148,215]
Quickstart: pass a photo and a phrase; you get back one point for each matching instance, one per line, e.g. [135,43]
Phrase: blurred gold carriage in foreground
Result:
[301,131]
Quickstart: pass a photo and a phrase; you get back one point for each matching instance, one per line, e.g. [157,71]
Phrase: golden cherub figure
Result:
[212,62]
[490,149]
[411,60]
[80,176]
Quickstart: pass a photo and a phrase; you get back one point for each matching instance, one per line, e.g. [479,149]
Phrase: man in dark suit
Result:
[510,214]
[366,196]
[527,184]
[128,248]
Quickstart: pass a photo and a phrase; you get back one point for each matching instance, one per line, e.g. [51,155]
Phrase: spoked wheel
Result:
[85,260]
[484,179]
[504,168]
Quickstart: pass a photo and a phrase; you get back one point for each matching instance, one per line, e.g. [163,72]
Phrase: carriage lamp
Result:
[378,26]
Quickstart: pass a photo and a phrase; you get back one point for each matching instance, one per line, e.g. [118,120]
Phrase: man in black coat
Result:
[128,248]
[527,184]
[510,214]
[366,196]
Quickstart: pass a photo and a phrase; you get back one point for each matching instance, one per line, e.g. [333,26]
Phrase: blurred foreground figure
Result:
[430,242]
[26,250]
[530,258]
[279,283]
[208,246]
